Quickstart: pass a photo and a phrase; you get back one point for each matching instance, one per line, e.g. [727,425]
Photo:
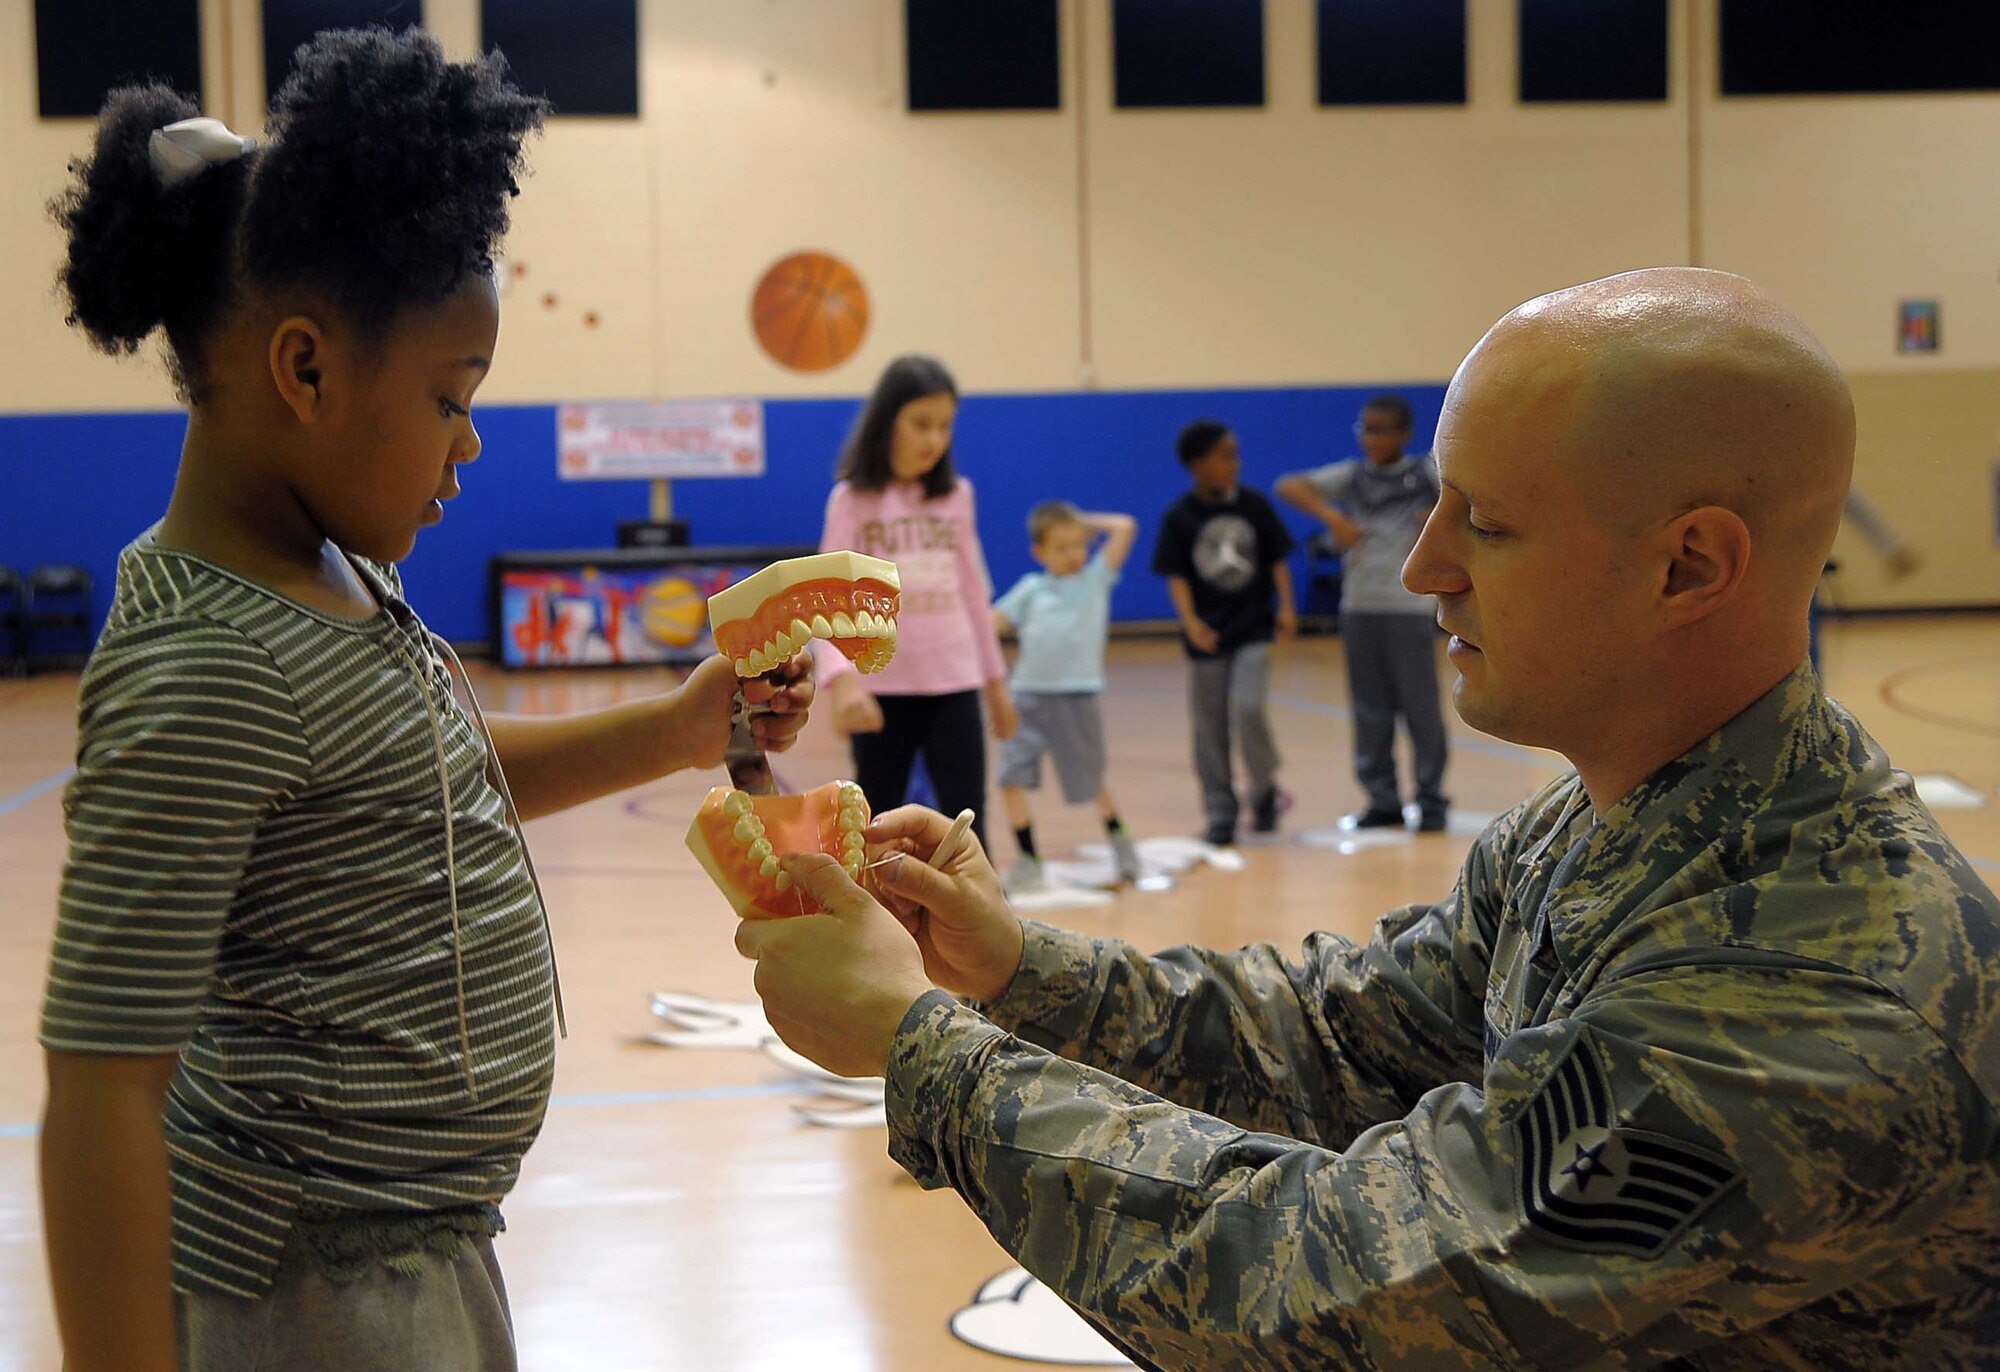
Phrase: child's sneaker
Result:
[1125,857]
[1024,875]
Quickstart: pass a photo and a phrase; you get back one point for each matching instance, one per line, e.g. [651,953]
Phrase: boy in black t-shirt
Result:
[1222,549]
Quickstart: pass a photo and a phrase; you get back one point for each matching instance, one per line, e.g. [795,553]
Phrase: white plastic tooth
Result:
[851,795]
[866,623]
[736,804]
[801,634]
[853,843]
[749,828]
[784,881]
[755,662]
[822,627]
[889,630]
[768,867]
[852,865]
[760,848]
[843,627]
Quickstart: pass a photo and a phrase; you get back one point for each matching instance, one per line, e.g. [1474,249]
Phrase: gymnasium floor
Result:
[676,1212]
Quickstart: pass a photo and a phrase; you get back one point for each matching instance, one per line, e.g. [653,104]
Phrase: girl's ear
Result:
[297,351]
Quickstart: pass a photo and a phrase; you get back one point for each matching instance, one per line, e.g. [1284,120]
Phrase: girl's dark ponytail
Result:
[144,255]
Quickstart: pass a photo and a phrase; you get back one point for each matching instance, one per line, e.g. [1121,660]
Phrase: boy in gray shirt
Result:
[1375,507]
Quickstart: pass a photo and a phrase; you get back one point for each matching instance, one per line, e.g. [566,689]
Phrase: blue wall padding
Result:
[75,488]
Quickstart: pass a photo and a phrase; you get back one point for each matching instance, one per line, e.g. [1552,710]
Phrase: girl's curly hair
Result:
[383,184]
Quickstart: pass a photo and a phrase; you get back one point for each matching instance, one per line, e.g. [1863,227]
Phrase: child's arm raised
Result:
[1302,492]
[1119,531]
[555,762]
[105,1210]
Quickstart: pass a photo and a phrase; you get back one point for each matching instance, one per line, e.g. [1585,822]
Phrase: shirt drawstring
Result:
[451,854]
[514,819]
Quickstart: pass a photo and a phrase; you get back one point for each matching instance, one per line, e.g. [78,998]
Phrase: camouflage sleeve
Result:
[1694,1152]
[1318,1049]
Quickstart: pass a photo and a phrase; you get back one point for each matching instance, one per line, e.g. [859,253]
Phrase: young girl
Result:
[897,497]
[299,1014]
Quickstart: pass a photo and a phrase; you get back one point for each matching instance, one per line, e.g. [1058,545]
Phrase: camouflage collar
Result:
[1729,773]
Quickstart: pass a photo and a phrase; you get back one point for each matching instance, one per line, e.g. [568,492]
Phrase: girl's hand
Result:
[702,711]
[855,709]
[1006,719]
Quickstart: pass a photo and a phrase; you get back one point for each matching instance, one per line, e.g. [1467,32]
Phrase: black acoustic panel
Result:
[1597,50]
[583,55]
[1825,47]
[83,48]
[290,24]
[1187,52]
[983,54]
[1392,52]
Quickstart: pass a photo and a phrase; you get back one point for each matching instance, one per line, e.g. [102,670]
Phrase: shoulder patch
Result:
[1589,1184]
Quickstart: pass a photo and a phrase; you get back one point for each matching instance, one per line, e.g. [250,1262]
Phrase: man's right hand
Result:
[970,937]
[1204,638]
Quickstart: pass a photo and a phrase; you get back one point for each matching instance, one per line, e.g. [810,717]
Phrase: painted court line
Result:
[9,804]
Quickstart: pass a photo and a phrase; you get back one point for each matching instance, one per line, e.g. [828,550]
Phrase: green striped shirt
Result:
[257,880]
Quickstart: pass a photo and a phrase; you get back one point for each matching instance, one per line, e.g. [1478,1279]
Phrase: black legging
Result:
[950,734]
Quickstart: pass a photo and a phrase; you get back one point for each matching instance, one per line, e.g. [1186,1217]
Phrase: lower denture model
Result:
[849,599]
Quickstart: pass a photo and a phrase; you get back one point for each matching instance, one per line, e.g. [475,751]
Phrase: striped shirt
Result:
[258,880]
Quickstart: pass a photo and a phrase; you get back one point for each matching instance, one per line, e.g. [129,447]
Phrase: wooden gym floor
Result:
[676,1212]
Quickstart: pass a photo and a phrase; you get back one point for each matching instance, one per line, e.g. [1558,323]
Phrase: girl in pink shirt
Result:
[897,497]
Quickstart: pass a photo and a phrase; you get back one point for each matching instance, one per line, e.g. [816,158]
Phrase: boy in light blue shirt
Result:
[1061,616]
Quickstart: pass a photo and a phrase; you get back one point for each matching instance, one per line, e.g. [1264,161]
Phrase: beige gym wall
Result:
[1288,245]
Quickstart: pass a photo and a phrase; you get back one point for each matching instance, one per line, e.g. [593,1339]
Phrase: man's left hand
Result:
[835,986]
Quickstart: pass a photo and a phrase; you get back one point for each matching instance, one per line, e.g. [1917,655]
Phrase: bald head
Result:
[1673,388]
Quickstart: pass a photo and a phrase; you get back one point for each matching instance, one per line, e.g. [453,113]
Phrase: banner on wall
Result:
[650,440]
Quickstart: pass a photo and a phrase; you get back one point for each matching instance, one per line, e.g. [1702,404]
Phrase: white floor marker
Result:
[1017,1317]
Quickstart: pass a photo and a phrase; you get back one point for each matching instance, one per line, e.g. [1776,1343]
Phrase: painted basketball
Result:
[674,612]
[810,312]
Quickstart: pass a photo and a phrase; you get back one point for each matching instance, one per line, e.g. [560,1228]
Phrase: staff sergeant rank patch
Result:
[1589,1184]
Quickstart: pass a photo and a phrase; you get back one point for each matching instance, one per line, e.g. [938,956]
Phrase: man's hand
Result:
[855,709]
[969,936]
[1346,532]
[1288,623]
[835,986]
[703,709]
[1200,635]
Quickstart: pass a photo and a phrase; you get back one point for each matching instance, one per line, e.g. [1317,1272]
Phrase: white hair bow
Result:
[187,148]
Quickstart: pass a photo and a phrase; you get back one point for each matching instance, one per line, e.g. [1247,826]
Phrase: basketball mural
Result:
[810,312]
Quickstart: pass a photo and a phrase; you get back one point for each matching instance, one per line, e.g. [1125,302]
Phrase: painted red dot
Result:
[590,319]
[520,270]
[549,301]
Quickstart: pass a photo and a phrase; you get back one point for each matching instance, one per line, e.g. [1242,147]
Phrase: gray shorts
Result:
[1069,727]
[447,1315]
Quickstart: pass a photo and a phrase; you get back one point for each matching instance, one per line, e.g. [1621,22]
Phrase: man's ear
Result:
[1709,555]
[297,356]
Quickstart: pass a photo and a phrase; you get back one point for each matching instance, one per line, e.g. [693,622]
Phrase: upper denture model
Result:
[849,599]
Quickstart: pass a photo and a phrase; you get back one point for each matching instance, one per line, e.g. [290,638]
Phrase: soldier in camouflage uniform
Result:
[1697,1067]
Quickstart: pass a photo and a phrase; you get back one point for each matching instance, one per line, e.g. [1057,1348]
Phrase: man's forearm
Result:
[107,1218]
